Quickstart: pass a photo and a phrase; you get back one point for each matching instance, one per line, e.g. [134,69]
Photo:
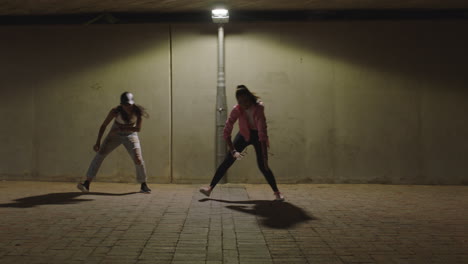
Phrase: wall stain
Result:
[96,86]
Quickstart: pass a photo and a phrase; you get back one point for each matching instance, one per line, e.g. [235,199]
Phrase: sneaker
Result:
[82,187]
[206,191]
[145,188]
[279,196]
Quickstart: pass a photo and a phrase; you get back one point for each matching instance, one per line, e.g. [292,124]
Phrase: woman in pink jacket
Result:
[252,131]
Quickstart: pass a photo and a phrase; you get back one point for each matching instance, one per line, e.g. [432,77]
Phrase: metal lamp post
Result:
[220,16]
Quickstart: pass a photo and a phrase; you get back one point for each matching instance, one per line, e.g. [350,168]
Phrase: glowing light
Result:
[220,15]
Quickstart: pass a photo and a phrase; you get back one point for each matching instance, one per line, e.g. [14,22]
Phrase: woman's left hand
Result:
[97,147]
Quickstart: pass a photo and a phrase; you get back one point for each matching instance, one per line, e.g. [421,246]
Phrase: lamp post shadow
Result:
[56,198]
[274,214]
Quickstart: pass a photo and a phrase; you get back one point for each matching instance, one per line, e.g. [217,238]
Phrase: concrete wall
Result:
[357,102]
[59,83]
[346,102]
[194,72]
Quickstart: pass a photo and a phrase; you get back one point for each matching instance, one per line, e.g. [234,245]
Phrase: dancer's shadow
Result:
[56,198]
[274,214]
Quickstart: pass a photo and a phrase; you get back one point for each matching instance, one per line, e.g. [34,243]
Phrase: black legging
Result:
[240,144]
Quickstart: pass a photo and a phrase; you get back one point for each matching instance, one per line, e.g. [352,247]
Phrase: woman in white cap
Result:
[127,124]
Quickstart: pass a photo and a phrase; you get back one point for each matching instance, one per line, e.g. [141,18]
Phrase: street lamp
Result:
[220,16]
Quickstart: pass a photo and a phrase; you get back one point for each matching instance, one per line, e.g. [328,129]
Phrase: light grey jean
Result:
[112,141]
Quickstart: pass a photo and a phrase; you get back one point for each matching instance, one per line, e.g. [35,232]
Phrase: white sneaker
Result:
[206,191]
[279,196]
[82,187]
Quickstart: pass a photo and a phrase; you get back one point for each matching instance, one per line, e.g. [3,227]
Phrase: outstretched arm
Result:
[109,118]
[233,116]
[230,145]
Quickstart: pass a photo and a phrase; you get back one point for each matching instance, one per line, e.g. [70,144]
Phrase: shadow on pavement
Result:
[56,198]
[274,214]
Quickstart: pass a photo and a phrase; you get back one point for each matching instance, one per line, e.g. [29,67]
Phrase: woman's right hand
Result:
[97,147]
[237,155]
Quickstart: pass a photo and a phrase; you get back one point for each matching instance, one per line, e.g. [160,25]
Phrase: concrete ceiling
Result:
[60,7]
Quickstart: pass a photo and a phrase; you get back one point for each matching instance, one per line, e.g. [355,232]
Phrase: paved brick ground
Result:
[52,223]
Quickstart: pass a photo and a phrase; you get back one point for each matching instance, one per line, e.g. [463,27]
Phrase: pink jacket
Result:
[259,119]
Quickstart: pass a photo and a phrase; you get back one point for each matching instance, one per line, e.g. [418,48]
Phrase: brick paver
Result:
[334,224]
